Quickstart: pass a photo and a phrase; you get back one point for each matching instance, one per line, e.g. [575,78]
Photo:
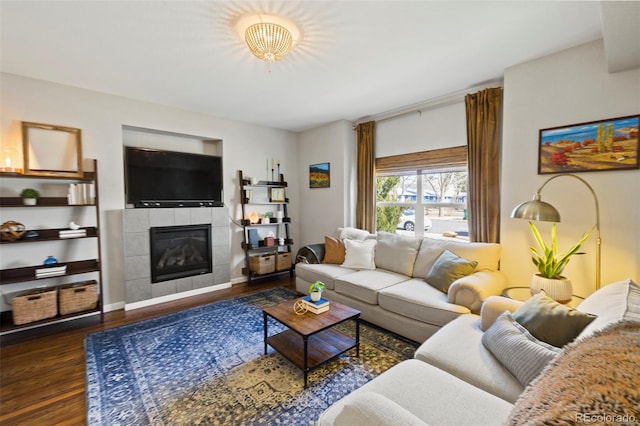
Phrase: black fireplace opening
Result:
[180,251]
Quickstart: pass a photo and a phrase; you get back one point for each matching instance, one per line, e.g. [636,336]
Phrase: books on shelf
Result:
[81,193]
[72,233]
[318,307]
[51,271]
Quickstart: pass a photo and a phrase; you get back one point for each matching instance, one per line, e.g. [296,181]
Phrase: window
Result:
[423,193]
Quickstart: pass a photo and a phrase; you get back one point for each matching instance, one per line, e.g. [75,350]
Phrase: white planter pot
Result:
[29,201]
[560,290]
[315,295]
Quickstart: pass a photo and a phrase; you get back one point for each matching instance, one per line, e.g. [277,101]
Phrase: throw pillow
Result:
[448,268]
[396,253]
[334,251]
[516,349]
[349,233]
[551,321]
[359,254]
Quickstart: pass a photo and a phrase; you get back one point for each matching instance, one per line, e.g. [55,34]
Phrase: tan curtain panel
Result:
[366,197]
[484,123]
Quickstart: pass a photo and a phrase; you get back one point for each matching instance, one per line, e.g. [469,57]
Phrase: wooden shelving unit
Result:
[261,198]
[27,274]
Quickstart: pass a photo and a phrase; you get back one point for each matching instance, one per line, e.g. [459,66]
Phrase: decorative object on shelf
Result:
[253,217]
[537,209]
[12,231]
[51,150]
[276,195]
[281,241]
[73,225]
[300,308]
[30,196]
[610,144]
[50,260]
[51,270]
[32,234]
[10,161]
[72,233]
[266,218]
[315,290]
[319,175]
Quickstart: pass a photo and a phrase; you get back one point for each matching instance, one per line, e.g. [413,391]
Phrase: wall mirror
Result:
[51,150]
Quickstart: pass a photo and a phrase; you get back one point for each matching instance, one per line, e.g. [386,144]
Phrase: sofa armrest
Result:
[495,306]
[312,253]
[370,408]
[472,290]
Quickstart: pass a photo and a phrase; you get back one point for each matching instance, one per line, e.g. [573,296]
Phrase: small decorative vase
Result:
[315,295]
[29,201]
[560,290]
[50,260]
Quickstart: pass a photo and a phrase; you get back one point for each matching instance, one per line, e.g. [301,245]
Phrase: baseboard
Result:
[172,297]
[113,307]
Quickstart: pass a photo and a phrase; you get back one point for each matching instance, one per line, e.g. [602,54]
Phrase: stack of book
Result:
[318,307]
[72,233]
[53,270]
[81,193]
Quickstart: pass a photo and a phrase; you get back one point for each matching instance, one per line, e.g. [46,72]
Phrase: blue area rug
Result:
[207,366]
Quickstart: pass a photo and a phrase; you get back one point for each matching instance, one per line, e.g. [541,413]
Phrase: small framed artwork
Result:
[51,150]
[319,175]
[276,195]
[610,144]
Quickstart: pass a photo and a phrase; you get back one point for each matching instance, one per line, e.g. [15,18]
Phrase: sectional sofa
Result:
[488,369]
[410,286]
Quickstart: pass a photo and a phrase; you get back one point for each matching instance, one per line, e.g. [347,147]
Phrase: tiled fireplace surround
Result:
[136,224]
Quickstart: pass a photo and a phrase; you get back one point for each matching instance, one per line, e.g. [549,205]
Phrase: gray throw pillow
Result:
[550,321]
[448,268]
[516,349]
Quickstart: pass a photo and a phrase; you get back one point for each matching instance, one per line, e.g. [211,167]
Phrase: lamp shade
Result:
[536,210]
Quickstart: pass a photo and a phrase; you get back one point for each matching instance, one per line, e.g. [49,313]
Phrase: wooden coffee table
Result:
[311,340]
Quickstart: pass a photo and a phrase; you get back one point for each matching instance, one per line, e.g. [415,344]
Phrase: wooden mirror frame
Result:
[46,139]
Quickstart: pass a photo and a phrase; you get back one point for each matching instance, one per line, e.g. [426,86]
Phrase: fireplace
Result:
[180,251]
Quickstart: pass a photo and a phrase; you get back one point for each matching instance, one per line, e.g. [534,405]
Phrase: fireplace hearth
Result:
[180,251]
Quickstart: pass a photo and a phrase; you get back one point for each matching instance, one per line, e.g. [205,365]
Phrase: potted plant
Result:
[550,264]
[29,196]
[315,290]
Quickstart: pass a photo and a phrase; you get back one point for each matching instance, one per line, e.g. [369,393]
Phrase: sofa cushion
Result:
[551,321]
[364,285]
[457,349]
[521,353]
[486,254]
[326,273]
[448,268]
[373,409]
[396,253]
[418,300]
[432,395]
[334,251]
[360,254]
[611,303]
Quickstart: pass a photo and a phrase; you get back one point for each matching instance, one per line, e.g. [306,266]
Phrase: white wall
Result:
[569,87]
[323,210]
[433,128]
[101,118]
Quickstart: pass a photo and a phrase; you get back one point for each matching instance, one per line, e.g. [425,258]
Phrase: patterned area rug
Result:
[207,366]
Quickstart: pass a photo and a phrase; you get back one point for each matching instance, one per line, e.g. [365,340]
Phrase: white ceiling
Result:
[355,59]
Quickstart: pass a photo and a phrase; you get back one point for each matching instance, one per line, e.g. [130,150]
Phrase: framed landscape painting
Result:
[319,175]
[593,146]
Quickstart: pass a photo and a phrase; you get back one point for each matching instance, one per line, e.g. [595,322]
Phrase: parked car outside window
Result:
[408,221]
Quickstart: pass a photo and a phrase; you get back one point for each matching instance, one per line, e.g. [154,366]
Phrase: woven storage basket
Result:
[35,305]
[283,261]
[263,264]
[78,297]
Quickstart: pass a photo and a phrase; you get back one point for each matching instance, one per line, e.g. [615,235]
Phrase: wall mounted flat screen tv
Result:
[159,178]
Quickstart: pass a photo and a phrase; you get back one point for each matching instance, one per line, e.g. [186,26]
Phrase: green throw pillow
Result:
[550,321]
[448,268]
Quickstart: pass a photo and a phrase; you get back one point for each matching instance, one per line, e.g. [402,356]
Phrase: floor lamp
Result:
[537,209]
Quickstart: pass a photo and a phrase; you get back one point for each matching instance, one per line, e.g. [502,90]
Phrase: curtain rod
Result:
[438,102]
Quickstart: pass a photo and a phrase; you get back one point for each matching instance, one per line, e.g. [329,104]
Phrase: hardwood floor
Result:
[42,378]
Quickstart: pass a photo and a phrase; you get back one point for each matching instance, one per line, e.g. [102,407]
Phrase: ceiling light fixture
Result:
[270,38]
[268,42]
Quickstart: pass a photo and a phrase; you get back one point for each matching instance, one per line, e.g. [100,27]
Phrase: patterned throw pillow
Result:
[516,349]
[334,251]
[448,268]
